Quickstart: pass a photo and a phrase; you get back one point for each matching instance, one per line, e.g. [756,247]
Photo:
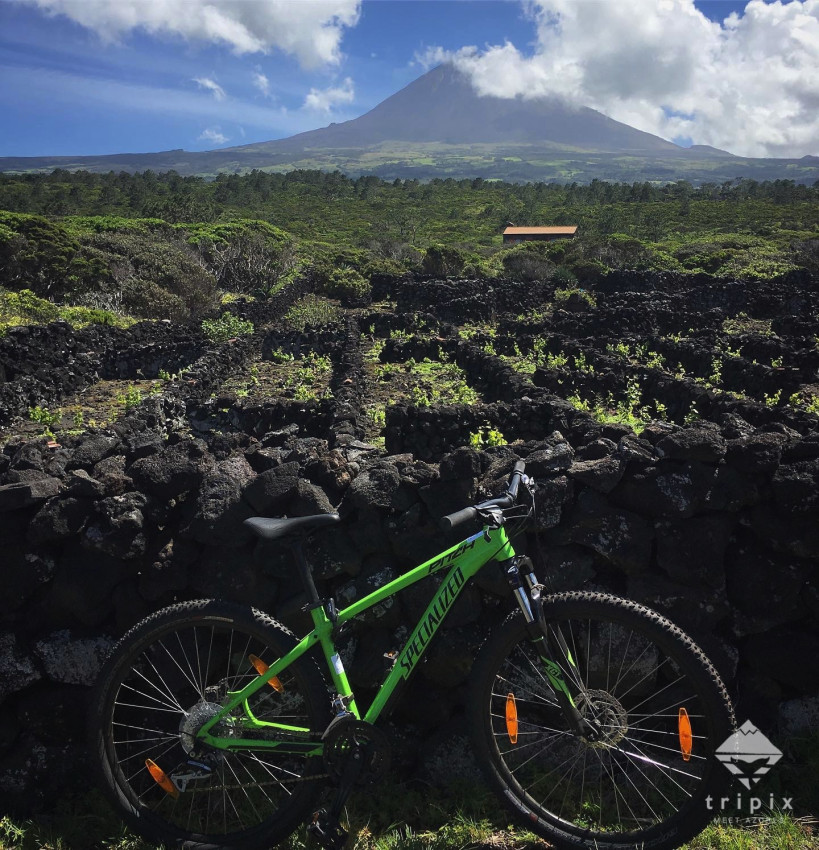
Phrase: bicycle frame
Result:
[464,560]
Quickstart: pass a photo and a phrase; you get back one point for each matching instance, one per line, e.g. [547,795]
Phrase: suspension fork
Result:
[549,643]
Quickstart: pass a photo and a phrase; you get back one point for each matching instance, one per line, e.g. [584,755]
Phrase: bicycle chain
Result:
[269,782]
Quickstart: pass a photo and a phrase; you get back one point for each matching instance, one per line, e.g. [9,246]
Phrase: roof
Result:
[520,231]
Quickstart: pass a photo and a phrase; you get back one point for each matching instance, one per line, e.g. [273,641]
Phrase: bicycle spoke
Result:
[630,676]
[167,692]
[177,680]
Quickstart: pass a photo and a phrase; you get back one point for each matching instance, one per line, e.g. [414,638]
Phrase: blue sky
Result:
[90,77]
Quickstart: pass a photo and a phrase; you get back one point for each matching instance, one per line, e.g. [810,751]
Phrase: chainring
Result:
[343,738]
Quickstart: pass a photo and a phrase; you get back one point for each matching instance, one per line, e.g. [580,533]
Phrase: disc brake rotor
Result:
[609,713]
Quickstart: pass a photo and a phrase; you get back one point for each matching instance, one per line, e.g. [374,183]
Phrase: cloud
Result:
[45,87]
[749,84]
[323,100]
[211,86]
[310,30]
[261,82]
[213,134]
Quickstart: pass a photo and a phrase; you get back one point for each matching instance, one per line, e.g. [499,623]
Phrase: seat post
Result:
[297,548]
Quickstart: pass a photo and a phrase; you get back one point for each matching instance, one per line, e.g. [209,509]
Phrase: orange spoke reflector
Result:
[511,719]
[161,778]
[686,736]
[262,668]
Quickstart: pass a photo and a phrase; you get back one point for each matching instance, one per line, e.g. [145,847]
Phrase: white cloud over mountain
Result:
[323,100]
[310,30]
[749,84]
[261,82]
[213,134]
[212,86]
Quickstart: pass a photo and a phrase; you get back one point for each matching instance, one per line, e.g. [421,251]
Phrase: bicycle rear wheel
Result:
[165,679]
[644,783]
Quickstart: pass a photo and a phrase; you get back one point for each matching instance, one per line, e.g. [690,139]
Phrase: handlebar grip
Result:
[514,481]
[451,520]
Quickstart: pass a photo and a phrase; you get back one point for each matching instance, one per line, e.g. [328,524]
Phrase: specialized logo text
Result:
[423,634]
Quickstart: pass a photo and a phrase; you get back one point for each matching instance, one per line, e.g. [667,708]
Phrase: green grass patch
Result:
[26,308]
[393,817]
[311,310]
[226,327]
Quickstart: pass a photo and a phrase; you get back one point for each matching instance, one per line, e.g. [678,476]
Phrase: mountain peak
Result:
[442,106]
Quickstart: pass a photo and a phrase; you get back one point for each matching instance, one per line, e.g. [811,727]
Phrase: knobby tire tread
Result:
[500,645]
[128,650]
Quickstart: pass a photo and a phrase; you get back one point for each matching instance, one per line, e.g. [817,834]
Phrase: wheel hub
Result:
[609,714]
[195,719]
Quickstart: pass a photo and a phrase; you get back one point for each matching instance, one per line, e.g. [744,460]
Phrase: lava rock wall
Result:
[714,526]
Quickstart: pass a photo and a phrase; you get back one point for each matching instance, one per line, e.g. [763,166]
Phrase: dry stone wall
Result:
[713,523]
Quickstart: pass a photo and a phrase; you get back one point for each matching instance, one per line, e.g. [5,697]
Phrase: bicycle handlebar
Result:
[505,501]
[514,481]
[451,520]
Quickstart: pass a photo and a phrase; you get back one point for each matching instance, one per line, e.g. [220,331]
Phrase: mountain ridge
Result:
[438,126]
[455,114]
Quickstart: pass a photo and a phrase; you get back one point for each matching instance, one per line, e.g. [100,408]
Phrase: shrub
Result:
[39,255]
[443,261]
[311,310]
[150,301]
[43,416]
[141,264]
[588,271]
[226,327]
[79,317]
[350,287]
[562,296]
[24,307]
[131,398]
[530,261]
[244,256]
[485,437]
[564,277]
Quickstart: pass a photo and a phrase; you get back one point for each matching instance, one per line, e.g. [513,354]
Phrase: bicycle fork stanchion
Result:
[549,642]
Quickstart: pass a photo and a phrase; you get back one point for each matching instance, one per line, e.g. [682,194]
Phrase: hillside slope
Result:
[438,126]
[441,106]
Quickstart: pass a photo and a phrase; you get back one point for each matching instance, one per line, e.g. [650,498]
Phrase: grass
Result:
[461,815]
[25,308]
[780,832]
[397,817]
[312,310]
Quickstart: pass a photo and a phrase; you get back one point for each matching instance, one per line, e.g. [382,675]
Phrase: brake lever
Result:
[492,518]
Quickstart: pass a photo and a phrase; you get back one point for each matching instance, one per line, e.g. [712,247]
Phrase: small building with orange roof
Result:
[512,234]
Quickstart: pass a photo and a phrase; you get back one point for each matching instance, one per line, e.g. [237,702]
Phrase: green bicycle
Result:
[595,719]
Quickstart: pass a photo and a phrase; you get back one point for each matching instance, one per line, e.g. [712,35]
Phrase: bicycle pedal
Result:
[327,831]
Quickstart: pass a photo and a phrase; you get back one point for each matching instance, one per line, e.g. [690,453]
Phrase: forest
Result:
[164,246]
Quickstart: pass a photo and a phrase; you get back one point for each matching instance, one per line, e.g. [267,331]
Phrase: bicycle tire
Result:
[634,788]
[163,680]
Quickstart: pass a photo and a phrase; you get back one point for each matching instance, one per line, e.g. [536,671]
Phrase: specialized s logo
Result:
[432,619]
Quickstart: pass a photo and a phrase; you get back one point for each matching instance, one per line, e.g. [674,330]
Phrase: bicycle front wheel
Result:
[165,679]
[663,711]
